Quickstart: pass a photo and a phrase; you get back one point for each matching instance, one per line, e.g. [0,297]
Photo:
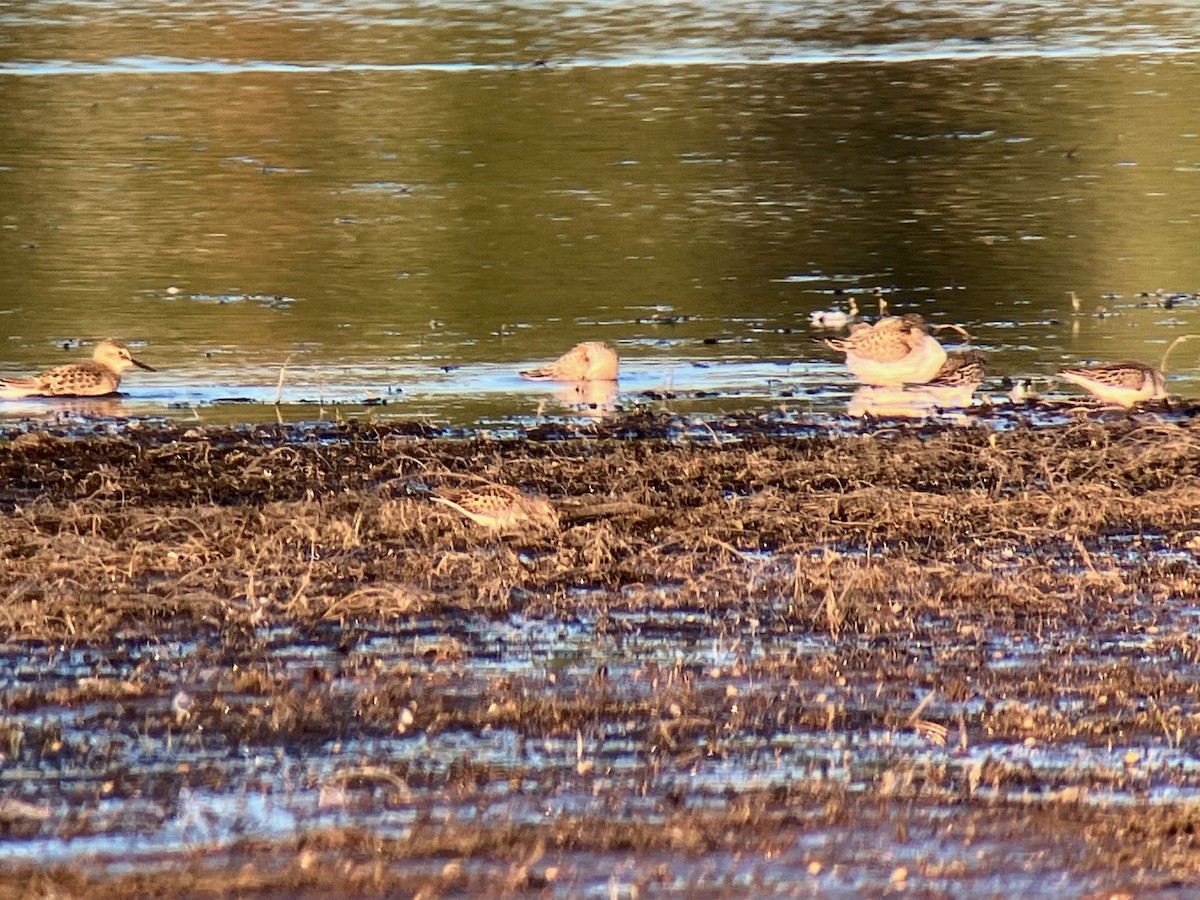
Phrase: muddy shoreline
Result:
[759,656]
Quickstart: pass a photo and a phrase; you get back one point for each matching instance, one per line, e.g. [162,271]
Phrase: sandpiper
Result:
[956,381]
[90,379]
[1123,383]
[589,361]
[961,369]
[499,507]
[895,350]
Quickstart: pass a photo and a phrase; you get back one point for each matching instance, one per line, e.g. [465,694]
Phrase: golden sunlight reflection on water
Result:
[338,204]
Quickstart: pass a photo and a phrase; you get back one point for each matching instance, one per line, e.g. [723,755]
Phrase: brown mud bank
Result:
[749,660]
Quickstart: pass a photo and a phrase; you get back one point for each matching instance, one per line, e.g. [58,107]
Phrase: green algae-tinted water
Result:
[371,196]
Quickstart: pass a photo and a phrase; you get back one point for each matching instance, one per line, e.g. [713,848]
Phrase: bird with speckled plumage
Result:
[895,350]
[589,361]
[498,507]
[100,376]
[1123,383]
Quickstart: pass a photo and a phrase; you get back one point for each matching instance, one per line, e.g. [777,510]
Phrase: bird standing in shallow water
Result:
[895,350]
[499,507]
[957,380]
[961,369]
[589,361]
[1123,383]
[100,376]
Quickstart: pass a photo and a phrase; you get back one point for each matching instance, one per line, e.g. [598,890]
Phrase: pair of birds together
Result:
[591,361]
[900,350]
[895,350]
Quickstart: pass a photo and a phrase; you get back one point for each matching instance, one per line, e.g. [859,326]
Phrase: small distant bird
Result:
[1023,392]
[589,361]
[895,350]
[834,318]
[181,705]
[1076,303]
[1123,383]
[500,508]
[90,379]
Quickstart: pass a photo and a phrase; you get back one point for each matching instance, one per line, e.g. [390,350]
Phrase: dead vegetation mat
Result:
[1025,586]
[101,534]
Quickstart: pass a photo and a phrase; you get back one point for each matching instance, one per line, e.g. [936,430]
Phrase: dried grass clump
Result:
[144,527]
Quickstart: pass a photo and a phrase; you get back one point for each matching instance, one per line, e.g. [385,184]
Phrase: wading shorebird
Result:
[1123,383]
[589,361]
[499,507]
[962,368]
[90,379]
[895,350]
[959,377]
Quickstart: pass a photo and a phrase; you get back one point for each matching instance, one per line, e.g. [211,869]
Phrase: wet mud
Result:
[753,656]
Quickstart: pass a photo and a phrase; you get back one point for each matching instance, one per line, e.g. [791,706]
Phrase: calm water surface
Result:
[408,202]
